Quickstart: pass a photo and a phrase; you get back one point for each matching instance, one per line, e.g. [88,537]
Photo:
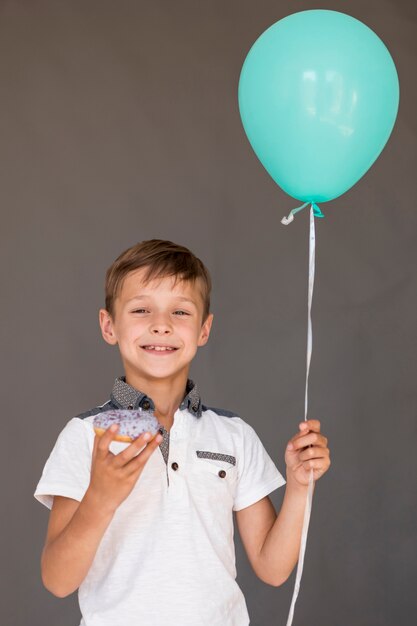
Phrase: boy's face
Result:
[156,314]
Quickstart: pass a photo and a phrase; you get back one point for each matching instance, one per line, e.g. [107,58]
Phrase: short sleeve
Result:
[68,468]
[257,473]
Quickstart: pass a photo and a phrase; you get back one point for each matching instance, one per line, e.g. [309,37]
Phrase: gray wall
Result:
[118,123]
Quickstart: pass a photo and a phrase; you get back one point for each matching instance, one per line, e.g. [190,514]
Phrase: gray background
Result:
[118,123]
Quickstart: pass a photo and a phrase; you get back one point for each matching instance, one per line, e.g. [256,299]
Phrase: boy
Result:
[145,530]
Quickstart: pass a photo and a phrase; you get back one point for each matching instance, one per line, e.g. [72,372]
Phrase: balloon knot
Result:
[316,211]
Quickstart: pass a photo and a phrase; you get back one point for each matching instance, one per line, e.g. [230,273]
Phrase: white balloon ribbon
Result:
[314,212]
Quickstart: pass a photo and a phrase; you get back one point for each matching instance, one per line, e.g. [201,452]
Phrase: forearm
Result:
[279,553]
[66,560]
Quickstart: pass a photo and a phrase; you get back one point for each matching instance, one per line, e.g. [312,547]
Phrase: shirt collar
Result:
[127,397]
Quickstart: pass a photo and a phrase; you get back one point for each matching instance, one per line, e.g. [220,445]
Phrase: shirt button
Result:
[222,473]
[146,405]
[174,466]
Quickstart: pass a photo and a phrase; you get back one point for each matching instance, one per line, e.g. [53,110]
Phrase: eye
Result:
[182,313]
[139,311]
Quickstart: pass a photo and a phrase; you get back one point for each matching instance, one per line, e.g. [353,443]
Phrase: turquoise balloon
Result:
[318,98]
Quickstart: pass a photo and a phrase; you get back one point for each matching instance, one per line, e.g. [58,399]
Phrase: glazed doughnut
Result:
[131,424]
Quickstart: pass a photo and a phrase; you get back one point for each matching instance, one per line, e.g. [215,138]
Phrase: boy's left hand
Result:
[307,450]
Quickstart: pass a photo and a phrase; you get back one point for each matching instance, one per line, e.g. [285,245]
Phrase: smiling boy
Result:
[144,530]
[158,330]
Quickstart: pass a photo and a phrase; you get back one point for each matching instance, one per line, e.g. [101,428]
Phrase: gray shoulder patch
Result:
[98,409]
[222,412]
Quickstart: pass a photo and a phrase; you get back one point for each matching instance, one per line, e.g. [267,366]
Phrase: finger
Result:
[295,438]
[316,465]
[132,450]
[304,431]
[309,440]
[313,425]
[139,461]
[95,444]
[105,440]
[314,452]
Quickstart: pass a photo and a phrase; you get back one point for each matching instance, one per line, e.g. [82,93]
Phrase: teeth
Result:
[159,348]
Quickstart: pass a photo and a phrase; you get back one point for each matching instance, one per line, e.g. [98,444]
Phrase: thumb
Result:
[95,444]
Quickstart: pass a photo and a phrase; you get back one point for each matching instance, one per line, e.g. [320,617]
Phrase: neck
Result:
[167,394]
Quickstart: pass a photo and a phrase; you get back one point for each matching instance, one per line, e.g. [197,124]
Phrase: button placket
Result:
[177,468]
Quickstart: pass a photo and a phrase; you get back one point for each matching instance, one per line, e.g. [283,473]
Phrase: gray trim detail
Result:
[216,456]
[124,396]
[222,412]
[164,445]
[98,409]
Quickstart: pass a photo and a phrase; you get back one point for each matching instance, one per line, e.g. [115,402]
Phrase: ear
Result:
[107,327]
[205,330]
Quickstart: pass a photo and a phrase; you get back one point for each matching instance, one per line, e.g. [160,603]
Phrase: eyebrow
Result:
[180,298]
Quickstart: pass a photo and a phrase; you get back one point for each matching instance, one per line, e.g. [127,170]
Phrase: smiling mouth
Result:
[165,349]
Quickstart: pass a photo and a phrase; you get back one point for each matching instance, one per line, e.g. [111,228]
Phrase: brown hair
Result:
[162,258]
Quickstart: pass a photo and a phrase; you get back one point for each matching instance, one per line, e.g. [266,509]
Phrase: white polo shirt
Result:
[167,558]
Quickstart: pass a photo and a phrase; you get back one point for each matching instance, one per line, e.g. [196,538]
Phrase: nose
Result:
[160,326]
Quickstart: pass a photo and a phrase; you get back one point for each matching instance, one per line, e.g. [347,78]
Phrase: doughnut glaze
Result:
[131,424]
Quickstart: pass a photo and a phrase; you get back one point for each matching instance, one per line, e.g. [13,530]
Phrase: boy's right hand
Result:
[113,476]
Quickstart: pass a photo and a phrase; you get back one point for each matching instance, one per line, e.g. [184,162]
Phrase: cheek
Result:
[130,333]
[189,335]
